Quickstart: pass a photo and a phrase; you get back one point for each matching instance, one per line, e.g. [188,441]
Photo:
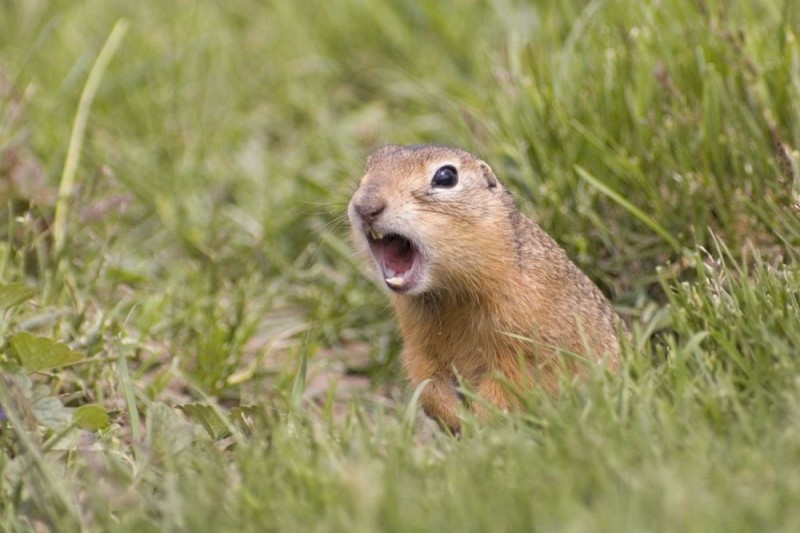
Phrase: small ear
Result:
[488,175]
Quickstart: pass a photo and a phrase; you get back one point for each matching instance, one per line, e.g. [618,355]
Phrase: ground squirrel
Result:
[481,292]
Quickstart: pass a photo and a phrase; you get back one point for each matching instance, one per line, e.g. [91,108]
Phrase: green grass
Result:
[194,282]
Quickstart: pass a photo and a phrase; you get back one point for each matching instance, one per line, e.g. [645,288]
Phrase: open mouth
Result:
[398,258]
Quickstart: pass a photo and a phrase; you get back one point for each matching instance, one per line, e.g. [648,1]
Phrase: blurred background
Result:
[225,140]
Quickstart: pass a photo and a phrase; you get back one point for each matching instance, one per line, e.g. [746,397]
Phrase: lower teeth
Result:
[395,282]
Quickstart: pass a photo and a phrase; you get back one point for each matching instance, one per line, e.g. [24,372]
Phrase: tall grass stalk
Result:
[67,183]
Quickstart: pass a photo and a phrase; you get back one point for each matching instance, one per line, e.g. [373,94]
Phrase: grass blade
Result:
[130,397]
[630,208]
[67,183]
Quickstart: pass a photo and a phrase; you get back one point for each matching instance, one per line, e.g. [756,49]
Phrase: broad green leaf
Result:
[51,413]
[168,432]
[40,353]
[208,418]
[90,417]
[13,294]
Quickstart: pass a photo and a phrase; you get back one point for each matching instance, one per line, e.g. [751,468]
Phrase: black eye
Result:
[445,177]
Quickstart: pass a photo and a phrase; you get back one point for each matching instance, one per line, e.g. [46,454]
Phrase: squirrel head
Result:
[430,218]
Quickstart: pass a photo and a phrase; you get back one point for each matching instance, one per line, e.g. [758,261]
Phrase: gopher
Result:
[482,294]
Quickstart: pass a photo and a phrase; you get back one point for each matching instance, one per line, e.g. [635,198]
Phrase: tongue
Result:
[398,257]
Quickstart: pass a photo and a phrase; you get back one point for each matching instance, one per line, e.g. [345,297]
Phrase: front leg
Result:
[440,402]
[491,391]
[438,398]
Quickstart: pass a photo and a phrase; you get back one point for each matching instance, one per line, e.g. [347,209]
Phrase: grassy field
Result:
[188,343]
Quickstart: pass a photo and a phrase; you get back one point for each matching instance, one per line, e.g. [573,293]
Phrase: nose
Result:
[369,207]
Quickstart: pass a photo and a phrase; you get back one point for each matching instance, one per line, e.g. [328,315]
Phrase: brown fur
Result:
[500,298]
